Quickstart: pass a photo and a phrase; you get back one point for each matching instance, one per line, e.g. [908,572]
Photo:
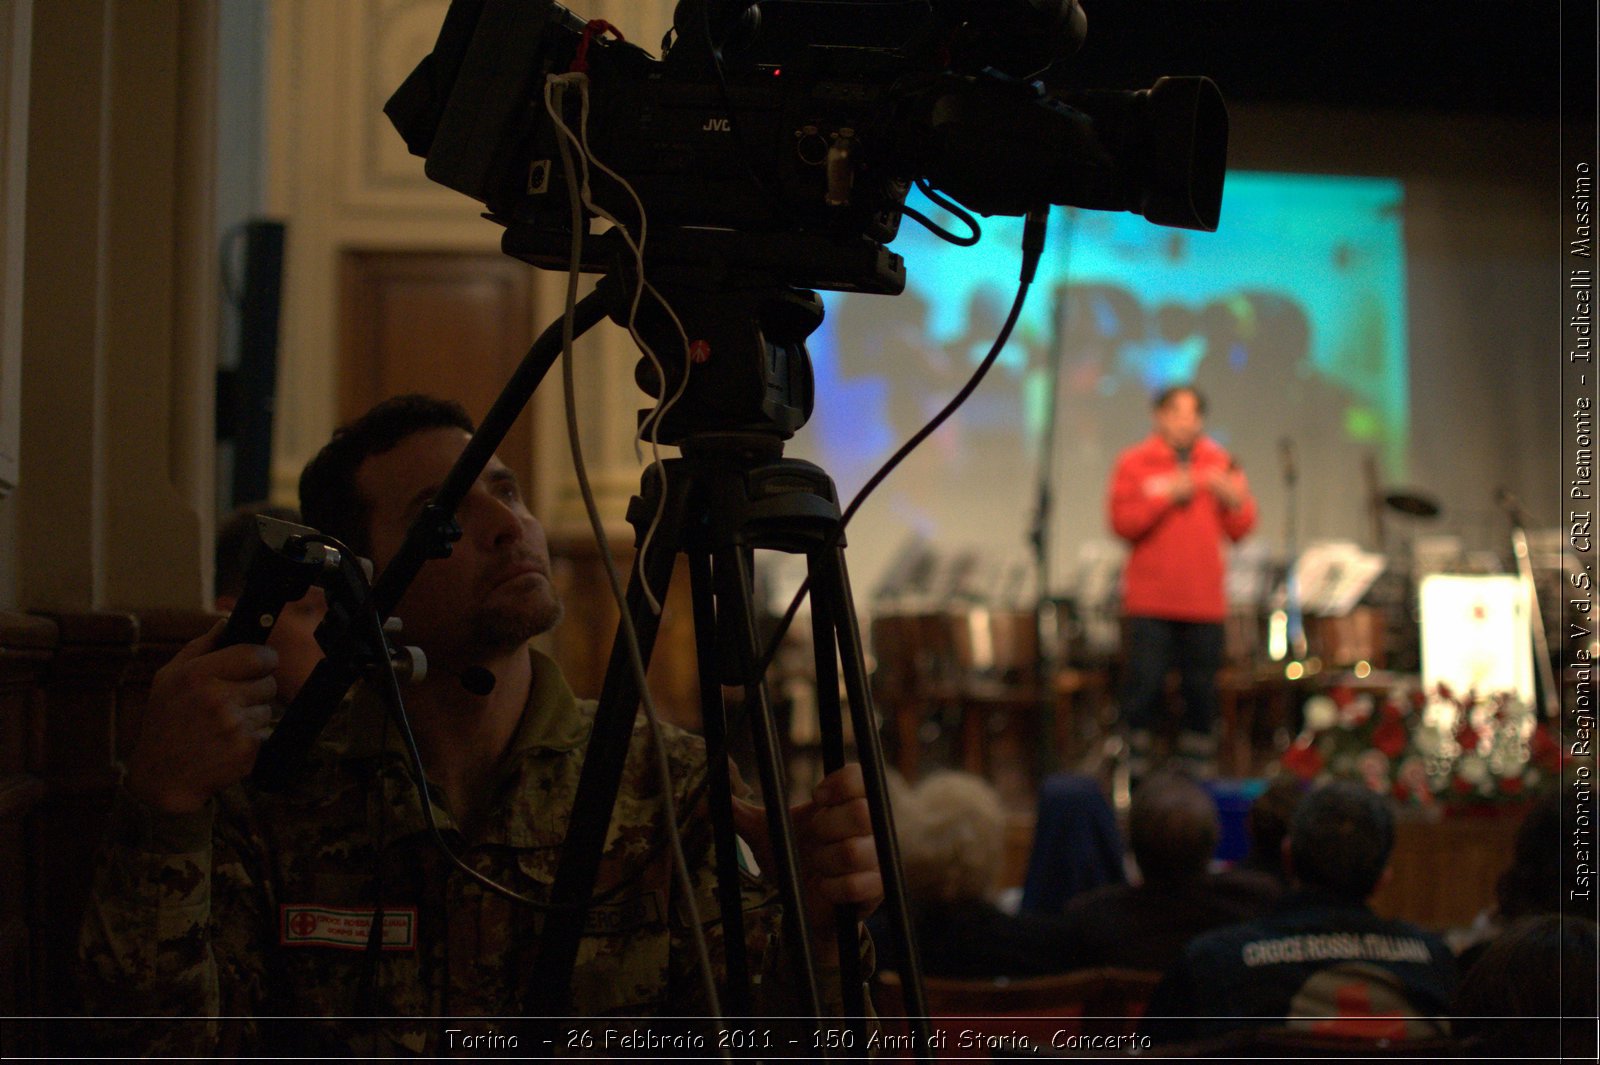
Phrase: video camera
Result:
[788,132]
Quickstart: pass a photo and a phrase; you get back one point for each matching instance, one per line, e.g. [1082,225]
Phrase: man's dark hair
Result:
[1340,839]
[1531,884]
[1268,821]
[1171,392]
[1532,992]
[1172,828]
[229,571]
[328,496]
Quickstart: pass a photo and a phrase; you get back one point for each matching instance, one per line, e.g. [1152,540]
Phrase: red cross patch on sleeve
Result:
[344,927]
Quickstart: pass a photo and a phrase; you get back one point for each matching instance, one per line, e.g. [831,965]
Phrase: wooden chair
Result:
[1002,1014]
[1288,1044]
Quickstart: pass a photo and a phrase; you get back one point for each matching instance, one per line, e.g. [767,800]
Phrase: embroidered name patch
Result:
[345,928]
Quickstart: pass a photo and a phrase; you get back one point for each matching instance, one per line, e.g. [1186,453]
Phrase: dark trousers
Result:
[1154,646]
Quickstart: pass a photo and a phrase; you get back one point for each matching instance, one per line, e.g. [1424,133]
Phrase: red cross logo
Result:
[303,924]
[1357,1017]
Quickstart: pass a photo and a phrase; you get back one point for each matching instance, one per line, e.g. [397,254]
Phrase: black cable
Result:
[949,205]
[939,231]
[1033,235]
[391,691]
[419,780]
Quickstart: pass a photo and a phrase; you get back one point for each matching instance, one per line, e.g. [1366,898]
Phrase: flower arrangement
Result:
[1447,750]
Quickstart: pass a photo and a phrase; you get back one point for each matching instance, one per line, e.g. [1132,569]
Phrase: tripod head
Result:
[747,367]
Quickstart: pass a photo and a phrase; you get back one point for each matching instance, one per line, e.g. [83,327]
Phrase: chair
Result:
[1287,1044]
[1004,1014]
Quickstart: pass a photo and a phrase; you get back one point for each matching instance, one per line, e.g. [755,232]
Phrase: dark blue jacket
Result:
[1315,958]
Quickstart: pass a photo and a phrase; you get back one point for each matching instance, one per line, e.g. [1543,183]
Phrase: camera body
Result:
[772,147]
[805,119]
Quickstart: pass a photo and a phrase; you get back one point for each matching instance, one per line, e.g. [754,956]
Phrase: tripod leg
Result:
[713,716]
[831,585]
[609,739]
[732,571]
[832,727]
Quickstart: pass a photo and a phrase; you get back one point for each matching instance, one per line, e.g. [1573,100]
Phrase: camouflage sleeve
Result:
[150,940]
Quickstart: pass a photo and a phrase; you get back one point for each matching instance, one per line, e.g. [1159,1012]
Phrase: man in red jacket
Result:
[1174,496]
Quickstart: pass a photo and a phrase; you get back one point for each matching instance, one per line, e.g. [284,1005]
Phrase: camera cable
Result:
[680,863]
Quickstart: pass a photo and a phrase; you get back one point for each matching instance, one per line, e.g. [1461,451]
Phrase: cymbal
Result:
[1413,503]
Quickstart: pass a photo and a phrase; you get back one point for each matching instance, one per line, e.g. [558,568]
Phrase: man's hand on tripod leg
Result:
[838,855]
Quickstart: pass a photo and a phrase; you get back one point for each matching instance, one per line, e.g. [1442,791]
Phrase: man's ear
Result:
[1383,879]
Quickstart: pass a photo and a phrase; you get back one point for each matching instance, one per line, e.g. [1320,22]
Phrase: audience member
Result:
[294,636]
[1260,873]
[323,920]
[1173,830]
[1321,960]
[952,831]
[1531,885]
[1532,994]
[1076,844]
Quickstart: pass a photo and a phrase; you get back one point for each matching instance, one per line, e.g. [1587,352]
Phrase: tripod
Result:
[731,493]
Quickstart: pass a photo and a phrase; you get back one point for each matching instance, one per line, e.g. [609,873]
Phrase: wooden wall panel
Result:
[26,644]
[582,642]
[450,324]
[71,686]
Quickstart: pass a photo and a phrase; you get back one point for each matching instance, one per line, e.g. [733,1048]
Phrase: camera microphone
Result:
[477,680]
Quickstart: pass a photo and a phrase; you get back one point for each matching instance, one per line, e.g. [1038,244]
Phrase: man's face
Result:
[1178,420]
[493,593]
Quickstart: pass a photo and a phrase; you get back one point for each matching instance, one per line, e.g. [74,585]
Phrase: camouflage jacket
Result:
[262,906]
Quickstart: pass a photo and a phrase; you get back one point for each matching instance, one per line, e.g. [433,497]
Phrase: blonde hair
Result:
[951,828]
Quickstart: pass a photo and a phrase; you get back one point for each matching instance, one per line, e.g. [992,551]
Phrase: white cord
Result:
[555,89]
[652,423]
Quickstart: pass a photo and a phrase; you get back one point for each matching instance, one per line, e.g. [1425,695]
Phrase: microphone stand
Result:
[1047,621]
[1295,615]
[1541,643]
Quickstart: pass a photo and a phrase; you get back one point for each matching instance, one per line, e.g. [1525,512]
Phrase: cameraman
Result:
[215,900]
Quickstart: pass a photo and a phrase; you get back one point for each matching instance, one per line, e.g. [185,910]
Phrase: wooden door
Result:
[449,324]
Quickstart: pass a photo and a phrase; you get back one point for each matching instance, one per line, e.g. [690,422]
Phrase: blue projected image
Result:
[1291,318]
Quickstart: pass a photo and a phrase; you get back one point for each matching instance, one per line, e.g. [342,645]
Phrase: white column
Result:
[119,292]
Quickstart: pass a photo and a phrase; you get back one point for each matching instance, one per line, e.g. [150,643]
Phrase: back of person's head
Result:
[328,496]
[1172,392]
[231,538]
[1340,839]
[1172,828]
[1269,819]
[1532,883]
[1532,992]
[951,828]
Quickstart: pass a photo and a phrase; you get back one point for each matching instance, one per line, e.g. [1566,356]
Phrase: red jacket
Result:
[1174,570]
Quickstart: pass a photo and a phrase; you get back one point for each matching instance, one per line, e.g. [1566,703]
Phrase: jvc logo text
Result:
[716,125]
